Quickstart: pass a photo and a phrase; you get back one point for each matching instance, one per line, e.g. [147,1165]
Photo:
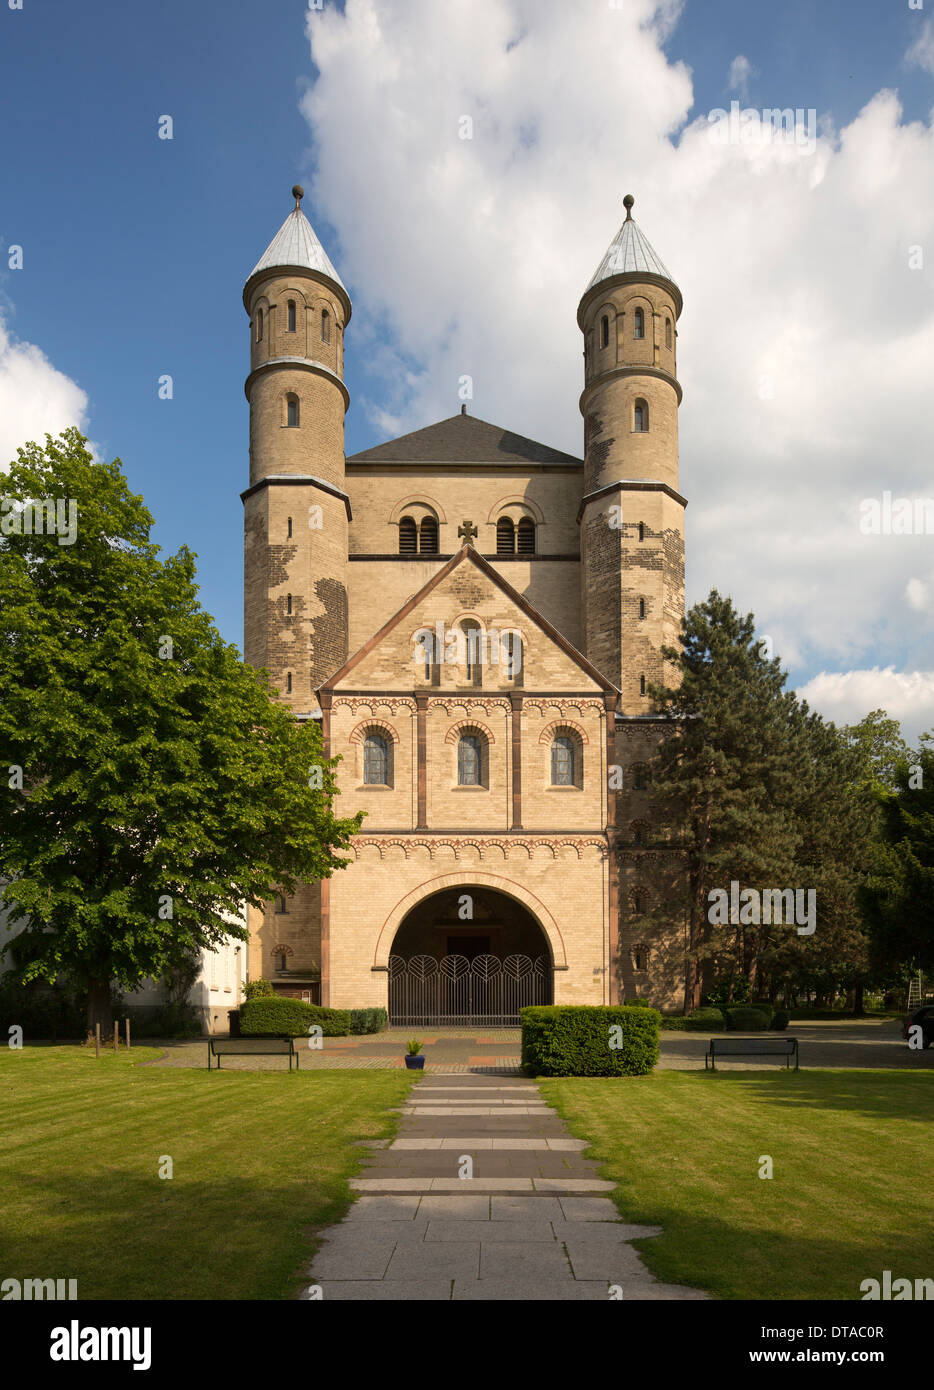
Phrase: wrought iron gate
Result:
[488,990]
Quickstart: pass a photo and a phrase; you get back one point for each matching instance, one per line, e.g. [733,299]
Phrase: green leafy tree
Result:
[153,783]
[878,743]
[900,892]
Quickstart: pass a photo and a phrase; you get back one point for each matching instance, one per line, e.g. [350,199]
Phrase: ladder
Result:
[915,991]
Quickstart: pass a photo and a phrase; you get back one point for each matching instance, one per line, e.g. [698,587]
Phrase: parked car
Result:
[924,1015]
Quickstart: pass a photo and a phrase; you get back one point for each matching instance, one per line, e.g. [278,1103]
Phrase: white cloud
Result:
[470,256]
[921,52]
[847,696]
[918,595]
[740,72]
[35,398]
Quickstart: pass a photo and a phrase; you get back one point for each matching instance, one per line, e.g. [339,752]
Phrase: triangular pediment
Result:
[468,588]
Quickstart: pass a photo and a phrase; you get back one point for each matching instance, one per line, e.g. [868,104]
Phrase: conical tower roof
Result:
[296,246]
[631,253]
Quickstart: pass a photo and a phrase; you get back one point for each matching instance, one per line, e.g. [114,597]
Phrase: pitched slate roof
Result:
[463,439]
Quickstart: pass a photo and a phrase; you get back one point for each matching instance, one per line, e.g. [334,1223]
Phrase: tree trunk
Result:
[858,1009]
[99,1008]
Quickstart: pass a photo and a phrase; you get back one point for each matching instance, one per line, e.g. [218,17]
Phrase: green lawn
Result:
[851,1193]
[259,1159]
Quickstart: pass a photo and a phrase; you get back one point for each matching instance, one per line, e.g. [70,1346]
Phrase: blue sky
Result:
[136,249]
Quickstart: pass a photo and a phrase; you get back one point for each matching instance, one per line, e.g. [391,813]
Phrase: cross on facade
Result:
[468,531]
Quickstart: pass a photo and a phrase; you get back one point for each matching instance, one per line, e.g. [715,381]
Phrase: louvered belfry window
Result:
[408,536]
[375,760]
[428,536]
[526,536]
[469,761]
[505,536]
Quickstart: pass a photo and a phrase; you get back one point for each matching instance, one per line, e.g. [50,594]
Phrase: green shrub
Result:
[745,1019]
[293,1017]
[636,1004]
[42,1010]
[258,989]
[705,1020]
[575,1040]
[764,1006]
[728,992]
[675,1023]
[368,1020]
[780,1019]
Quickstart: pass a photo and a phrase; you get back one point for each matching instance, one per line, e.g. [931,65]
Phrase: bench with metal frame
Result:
[276,1045]
[751,1047]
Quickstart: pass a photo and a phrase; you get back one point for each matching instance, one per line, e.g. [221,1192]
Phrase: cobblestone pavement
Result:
[458,1051]
[482,1196]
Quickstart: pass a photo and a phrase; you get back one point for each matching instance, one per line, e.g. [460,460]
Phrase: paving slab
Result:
[383,1209]
[452,1259]
[385,1290]
[520,1289]
[525,1209]
[516,1231]
[472,1207]
[502,1259]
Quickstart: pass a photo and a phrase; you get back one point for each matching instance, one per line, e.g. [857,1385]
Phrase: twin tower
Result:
[298,511]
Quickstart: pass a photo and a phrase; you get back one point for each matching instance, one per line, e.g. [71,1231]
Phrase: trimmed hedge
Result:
[636,1004]
[575,1040]
[780,1019]
[745,1019]
[705,1020]
[368,1020]
[259,1017]
[763,1006]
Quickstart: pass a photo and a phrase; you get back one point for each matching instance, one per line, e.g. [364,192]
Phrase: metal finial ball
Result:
[298,192]
[627,204]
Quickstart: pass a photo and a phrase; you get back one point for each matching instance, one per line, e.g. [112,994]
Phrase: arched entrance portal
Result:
[467,955]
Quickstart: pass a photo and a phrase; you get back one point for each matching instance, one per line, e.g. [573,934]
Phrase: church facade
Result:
[474,618]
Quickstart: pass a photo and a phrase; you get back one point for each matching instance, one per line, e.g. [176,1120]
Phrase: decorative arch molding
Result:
[556,726]
[373,725]
[505,845]
[516,500]
[283,950]
[578,704]
[535,906]
[374,703]
[485,704]
[463,725]
[417,499]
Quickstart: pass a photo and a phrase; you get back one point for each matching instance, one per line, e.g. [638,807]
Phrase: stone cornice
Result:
[528,841]
[299,480]
[302,364]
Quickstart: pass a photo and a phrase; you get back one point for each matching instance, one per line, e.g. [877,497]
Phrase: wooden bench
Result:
[277,1045]
[751,1047]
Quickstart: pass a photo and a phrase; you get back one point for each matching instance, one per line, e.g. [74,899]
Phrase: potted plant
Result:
[414,1061]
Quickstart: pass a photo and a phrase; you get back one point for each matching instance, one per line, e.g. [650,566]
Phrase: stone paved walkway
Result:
[531,1223]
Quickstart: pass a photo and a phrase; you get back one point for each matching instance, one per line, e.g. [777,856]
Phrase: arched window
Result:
[640,778]
[640,417]
[428,536]
[512,657]
[289,537]
[376,760]
[642,608]
[640,957]
[642,685]
[290,310]
[604,332]
[470,761]
[288,605]
[505,536]
[473,652]
[288,683]
[667,333]
[638,834]
[638,324]
[282,961]
[325,326]
[408,536]
[280,904]
[525,536]
[642,530]
[638,903]
[259,325]
[562,761]
[291,411]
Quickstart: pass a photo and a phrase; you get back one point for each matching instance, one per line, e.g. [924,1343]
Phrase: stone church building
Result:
[475,618]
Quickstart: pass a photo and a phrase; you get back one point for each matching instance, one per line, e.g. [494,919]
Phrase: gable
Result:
[467,589]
